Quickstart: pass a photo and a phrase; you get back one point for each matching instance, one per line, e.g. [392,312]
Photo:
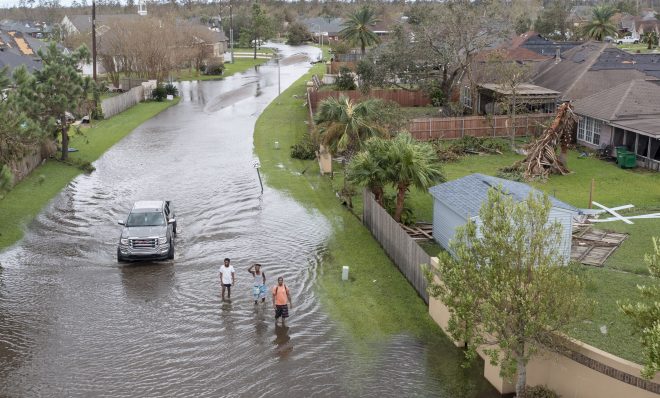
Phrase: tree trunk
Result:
[65,139]
[255,46]
[378,195]
[400,196]
[362,47]
[513,122]
[522,379]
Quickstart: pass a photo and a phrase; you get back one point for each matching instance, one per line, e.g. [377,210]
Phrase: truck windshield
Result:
[145,219]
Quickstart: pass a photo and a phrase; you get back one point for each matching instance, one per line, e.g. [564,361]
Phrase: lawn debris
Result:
[419,231]
[593,246]
[542,158]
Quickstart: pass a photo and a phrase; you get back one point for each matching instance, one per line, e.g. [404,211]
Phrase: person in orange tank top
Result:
[281,297]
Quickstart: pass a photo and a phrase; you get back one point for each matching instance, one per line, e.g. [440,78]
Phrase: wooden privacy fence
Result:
[401,97]
[119,103]
[477,126]
[401,248]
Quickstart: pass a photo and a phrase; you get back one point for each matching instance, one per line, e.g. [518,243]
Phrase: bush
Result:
[214,69]
[304,149]
[540,392]
[170,89]
[159,94]
[345,79]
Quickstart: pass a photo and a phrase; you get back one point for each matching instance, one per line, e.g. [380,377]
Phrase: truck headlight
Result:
[162,240]
[123,241]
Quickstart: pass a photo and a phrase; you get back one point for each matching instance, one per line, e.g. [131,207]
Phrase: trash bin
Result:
[620,155]
[620,149]
[628,160]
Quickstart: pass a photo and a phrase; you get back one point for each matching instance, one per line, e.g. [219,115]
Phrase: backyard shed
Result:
[456,202]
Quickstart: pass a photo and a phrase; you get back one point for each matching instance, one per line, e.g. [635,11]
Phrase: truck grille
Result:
[143,243]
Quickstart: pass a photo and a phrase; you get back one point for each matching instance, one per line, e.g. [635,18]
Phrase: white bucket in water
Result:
[344,273]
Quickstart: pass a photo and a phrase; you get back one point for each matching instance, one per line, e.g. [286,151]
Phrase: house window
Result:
[589,130]
[466,97]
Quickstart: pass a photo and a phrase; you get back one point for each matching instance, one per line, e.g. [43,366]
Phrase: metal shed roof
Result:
[466,195]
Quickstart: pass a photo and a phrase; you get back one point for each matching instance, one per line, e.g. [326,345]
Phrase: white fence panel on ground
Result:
[119,103]
[401,248]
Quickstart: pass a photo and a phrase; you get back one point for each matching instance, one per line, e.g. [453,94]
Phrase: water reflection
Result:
[282,342]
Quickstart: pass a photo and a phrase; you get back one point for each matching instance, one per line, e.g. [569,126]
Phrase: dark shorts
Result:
[281,311]
[227,285]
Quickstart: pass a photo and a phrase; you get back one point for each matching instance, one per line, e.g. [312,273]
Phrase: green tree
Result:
[506,285]
[261,27]
[645,315]
[651,39]
[601,25]
[411,163]
[344,125]
[357,29]
[297,34]
[368,168]
[55,91]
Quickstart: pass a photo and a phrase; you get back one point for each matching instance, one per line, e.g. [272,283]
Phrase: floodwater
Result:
[74,322]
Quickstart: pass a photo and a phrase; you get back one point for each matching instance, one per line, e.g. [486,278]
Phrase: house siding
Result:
[445,222]
[565,219]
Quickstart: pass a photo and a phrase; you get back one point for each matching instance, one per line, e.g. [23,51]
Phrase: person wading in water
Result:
[227,278]
[280,298]
[259,284]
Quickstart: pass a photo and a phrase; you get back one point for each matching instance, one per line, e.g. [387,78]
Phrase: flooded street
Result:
[74,322]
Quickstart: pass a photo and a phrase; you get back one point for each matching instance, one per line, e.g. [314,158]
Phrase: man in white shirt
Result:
[226,278]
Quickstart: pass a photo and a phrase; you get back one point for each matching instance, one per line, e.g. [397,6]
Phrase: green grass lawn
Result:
[369,310]
[637,48]
[28,197]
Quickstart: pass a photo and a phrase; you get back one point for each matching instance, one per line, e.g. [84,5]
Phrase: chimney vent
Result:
[557,55]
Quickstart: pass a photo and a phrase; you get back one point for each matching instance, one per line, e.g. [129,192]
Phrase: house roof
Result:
[84,22]
[590,68]
[647,126]
[331,26]
[634,99]
[466,195]
[17,49]
[522,89]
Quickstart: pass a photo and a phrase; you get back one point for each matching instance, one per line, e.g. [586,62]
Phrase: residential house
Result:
[541,45]
[18,49]
[326,29]
[625,115]
[459,201]
[592,67]
[37,30]
[82,24]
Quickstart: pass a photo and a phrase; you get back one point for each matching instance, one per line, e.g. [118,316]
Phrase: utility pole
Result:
[94,40]
[231,31]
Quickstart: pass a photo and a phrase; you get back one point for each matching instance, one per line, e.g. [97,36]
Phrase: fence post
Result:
[463,127]
[430,121]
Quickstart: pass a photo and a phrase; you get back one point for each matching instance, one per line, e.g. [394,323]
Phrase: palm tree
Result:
[357,28]
[651,39]
[344,124]
[601,25]
[368,167]
[411,163]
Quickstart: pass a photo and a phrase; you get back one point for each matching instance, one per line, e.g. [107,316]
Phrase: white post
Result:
[344,273]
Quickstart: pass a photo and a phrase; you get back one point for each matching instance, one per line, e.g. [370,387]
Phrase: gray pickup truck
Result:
[148,232]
